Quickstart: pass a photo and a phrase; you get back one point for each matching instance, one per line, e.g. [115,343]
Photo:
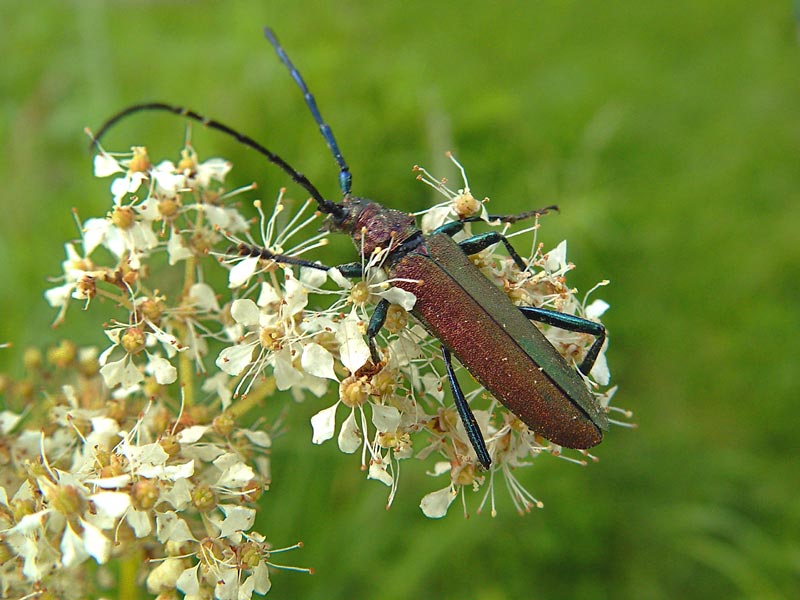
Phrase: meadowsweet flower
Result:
[142,447]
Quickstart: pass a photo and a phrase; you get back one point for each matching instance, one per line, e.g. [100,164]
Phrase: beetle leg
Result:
[352,270]
[467,418]
[454,227]
[451,228]
[479,242]
[375,324]
[267,254]
[571,323]
[476,243]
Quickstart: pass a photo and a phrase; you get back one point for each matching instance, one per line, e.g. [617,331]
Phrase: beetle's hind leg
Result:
[375,324]
[481,241]
[467,418]
[476,243]
[571,323]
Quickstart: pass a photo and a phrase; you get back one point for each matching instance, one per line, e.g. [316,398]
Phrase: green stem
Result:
[185,363]
[128,574]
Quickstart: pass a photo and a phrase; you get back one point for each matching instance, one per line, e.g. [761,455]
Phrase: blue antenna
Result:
[345,178]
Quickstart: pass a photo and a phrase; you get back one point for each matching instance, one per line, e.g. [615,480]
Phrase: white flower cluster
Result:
[141,450]
[103,482]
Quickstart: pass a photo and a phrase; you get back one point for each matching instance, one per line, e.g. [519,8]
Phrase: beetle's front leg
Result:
[464,411]
[352,270]
[571,323]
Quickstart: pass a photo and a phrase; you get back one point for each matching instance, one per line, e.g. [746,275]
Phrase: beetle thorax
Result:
[372,225]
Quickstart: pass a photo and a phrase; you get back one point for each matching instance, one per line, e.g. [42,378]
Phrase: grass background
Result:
[669,134]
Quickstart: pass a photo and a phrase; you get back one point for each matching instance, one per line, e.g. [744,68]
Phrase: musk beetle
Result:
[473,319]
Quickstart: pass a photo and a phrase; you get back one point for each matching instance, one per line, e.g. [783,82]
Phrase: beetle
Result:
[473,319]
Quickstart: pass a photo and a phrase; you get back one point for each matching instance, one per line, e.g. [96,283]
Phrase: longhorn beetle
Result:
[473,319]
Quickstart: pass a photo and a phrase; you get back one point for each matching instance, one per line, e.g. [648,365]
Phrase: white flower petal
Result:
[403,350]
[268,296]
[95,543]
[323,424]
[72,550]
[180,496]
[339,279]
[171,528]
[596,309]
[385,418]
[213,168]
[217,216]
[167,181]
[353,350]
[105,165]
[122,372]
[94,232]
[59,296]
[432,384]
[314,278]
[148,210]
[246,589]
[234,359]
[600,372]
[261,580]
[164,577]
[400,297]
[235,474]
[440,468]
[435,504]
[286,376]
[317,361]
[110,483]
[203,297]
[242,272]
[168,472]
[192,434]
[219,385]
[259,438]
[188,581]
[139,521]
[245,312]
[296,296]
[8,420]
[349,435]
[176,249]
[377,471]
[162,370]
[227,587]
[145,455]
[111,504]
[435,217]
[237,519]
[557,258]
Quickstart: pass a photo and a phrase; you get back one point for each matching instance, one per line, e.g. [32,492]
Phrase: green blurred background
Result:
[669,134]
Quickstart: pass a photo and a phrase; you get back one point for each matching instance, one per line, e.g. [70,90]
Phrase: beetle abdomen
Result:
[495,342]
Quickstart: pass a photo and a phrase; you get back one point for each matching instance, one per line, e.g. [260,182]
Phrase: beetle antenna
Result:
[345,177]
[325,206]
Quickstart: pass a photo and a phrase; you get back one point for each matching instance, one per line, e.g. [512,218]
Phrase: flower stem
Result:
[185,362]
[128,572]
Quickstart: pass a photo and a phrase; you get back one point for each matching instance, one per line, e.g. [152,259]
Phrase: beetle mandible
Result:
[473,319]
